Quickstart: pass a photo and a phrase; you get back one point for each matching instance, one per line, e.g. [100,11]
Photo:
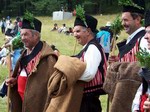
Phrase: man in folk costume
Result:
[94,57]
[33,83]
[127,78]
[132,16]
[25,80]
[141,101]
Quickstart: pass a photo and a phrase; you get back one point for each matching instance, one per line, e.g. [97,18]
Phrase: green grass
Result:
[65,44]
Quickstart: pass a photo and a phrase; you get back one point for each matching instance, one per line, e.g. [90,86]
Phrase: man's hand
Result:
[146,105]
[11,81]
[112,59]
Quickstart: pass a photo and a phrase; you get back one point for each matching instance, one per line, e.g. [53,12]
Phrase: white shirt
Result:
[136,101]
[92,58]
[144,44]
[143,41]
[134,33]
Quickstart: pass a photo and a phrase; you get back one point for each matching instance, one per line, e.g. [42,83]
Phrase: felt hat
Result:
[91,22]
[147,18]
[139,7]
[35,24]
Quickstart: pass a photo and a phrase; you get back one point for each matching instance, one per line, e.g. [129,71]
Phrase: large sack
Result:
[64,89]
[121,83]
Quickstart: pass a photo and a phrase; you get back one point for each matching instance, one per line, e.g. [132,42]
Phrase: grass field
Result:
[64,43]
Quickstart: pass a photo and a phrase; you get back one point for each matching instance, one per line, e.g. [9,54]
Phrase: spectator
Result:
[15,30]
[3,25]
[104,37]
[62,29]
[69,32]
[55,27]
[8,20]
[8,31]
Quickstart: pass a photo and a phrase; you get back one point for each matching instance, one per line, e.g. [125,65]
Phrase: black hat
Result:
[147,18]
[139,8]
[35,24]
[90,21]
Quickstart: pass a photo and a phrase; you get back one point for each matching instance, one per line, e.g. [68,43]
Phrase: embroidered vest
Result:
[127,51]
[95,85]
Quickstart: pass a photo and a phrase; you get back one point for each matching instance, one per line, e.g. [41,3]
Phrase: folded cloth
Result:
[64,89]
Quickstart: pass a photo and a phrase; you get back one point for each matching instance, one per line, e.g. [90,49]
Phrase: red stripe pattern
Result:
[130,56]
[96,83]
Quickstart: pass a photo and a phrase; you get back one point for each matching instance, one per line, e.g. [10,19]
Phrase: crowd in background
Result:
[63,29]
[11,31]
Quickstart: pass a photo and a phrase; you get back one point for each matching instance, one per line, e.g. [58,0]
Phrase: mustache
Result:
[125,26]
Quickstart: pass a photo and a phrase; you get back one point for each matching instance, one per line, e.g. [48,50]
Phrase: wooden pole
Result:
[112,54]
[9,75]
[113,45]
[107,110]
[75,45]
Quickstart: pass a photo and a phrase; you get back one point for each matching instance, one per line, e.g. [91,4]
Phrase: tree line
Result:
[46,7]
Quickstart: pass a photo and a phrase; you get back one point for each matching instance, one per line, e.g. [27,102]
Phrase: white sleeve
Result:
[92,58]
[144,44]
[136,101]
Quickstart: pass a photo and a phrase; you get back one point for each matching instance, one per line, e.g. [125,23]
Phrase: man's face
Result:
[28,38]
[128,23]
[80,33]
[147,36]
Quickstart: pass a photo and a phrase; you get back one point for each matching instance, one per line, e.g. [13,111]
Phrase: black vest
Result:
[125,48]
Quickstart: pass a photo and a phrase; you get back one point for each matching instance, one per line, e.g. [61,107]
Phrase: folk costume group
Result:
[45,82]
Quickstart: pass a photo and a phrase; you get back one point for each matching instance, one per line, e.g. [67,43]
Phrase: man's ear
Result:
[88,29]
[138,20]
[36,33]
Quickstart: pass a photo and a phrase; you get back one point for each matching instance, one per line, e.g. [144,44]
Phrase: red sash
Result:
[143,99]
[22,80]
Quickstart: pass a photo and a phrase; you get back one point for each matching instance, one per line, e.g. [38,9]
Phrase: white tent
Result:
[61,15]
